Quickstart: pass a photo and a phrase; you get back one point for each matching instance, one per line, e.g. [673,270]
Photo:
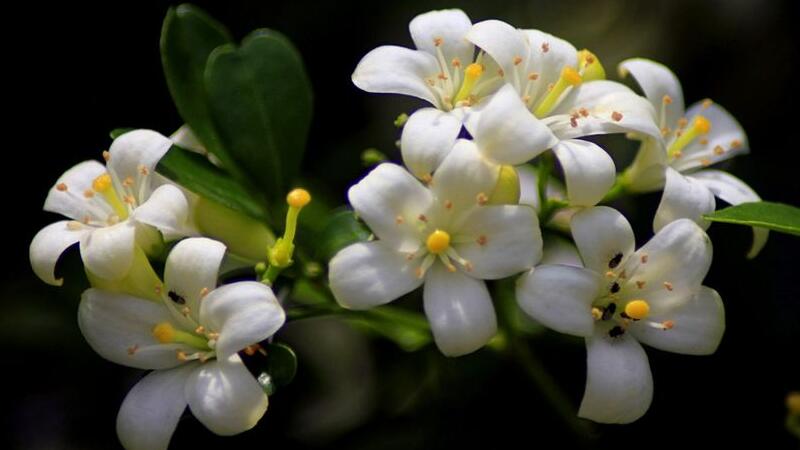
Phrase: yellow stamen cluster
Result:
[102,183]
[637,309]
[438,242]
[569,78]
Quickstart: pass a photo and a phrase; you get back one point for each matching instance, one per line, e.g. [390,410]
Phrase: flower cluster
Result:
[468,208]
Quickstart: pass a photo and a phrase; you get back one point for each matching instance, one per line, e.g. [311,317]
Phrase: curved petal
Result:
[548,55]
[506,132]
[390,200]
[683,197]
[459,310]
[224,396]
[108,252]
[672,265]
[191,269]
[619,385]
[560,297]
[243,313]
[428,136]
[503,43]
[463,176]
[656,81]
[697,326]
[602,107]
[445,29]
[120,329]
[368,274]
[500,240]
[185,138]
[529,187]
[48,245]
[733,191]
[70,202]
[725,140]
[167,209]
[604,238]
[588,170]
[134,149]
[557,250]
[646,172]
[151,410]
[396,70]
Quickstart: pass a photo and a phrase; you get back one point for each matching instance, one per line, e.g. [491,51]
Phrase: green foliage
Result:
[773,216]
[342,229]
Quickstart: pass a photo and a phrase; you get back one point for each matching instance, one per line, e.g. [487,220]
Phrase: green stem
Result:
[270,275]
[617,190]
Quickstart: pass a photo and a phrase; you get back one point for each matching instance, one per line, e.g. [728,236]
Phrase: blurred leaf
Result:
[281,363]
[188,36]
[117,132]
[409,330]
[260,101]
[343,228]
[774,216]
[194,172]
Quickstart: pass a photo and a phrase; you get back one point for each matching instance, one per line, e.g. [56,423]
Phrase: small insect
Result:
[616,331]
[176,298]
[608,313]
[615,288]
[614,262]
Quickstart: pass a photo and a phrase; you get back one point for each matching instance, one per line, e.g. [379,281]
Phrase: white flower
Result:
[112,208]
[564,90]
[690,140]
[445,236]
[622,297]
[190,338]
[443,70]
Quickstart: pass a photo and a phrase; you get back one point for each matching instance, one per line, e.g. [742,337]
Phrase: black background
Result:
[76,71]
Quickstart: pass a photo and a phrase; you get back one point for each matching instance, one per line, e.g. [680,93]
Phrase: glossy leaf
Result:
[342,229]
[773,216]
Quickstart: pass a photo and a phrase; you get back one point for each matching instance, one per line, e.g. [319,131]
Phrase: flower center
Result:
[456,84]
[438,242]
[165,333]
[700,127]
[569,77]
[104,186]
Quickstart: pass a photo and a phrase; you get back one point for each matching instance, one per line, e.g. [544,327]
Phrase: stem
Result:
[270,275]
[617,190]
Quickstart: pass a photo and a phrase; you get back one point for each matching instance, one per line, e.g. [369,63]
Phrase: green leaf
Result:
[773,216]
[281,363]
[409,330]
[195,173]
[343,228]
[117,132]
[260,101]
[188,36]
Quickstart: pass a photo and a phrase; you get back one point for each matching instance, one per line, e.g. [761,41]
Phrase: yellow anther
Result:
[590,66]
[164,333]
[298,198]
[61,187]
[102,183]
[637,309]
[597,314]
[471,74]
[571,76]
[702,125]
[474,70]
[438,242]
[666,99]
[667,324]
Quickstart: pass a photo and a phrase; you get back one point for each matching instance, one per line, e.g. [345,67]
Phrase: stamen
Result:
[668,285]
[426,264]
[482,199]
[640,284]
[438,242]
[74,225]
[569,77]
[133,349]
[616,116]
[596,313]
[545,47]
[700,126]
[61,187]
[637,309]
[482,240]
[104,185]
[399,220]
[471,75]
[106,155]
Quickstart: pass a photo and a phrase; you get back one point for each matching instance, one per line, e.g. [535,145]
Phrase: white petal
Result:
[602,235]
[120,329]
[225,397]
[448,27]
[589,171]
[459,310]
[243,313]
[71,202]
[167,209]
[151,410]
[463,175]
[48,245]
[503,43]
[733,191]
[185,138]
[135,149]
[192,268]
[368,274]
[698,326]
[683,197]
[557,250]
[619,385]
[612,108]
[108,252]
[428,136]
[656,81]
[548,64]
[396,70]
[678,258]
[510,236]
[646,173]
[726,133]
[390,200]
[507,132]
[529,187]
[560,297]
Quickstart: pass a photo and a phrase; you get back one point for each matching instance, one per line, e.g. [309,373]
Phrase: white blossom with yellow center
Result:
[446,236]
[619,297]
[690,140]
[189,332]
[112,207]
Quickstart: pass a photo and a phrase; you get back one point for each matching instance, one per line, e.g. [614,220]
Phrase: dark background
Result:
[78,71]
